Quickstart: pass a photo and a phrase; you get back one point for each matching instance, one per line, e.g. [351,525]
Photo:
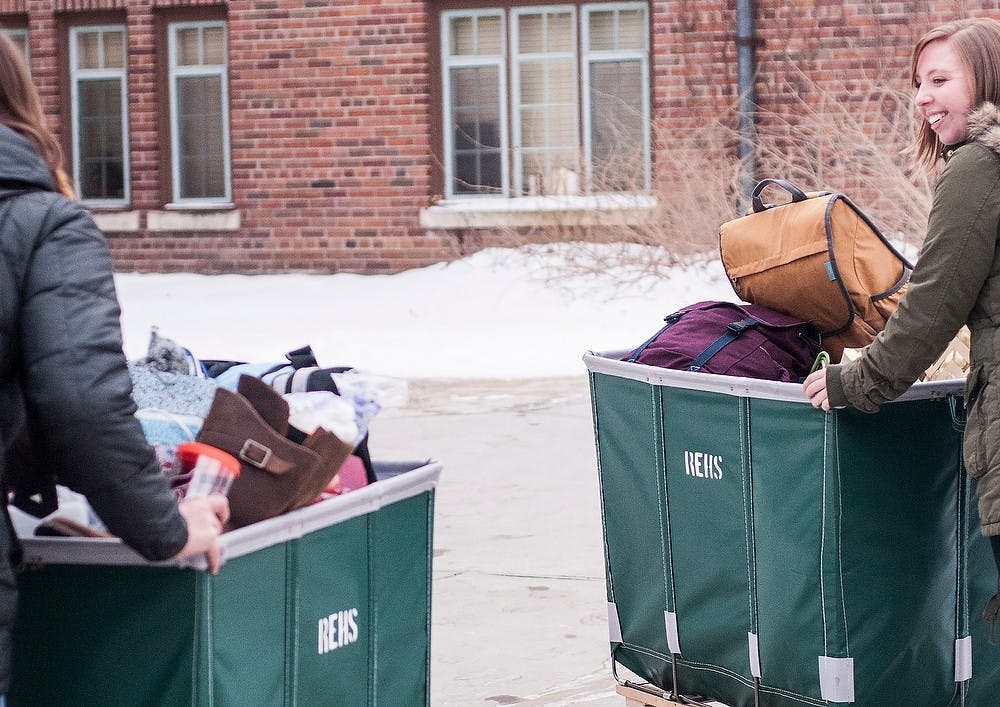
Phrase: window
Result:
[550,100]
[20,37]
[199,113]
[99,114]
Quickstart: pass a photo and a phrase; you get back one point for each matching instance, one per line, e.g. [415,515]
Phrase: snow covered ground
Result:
[500,313]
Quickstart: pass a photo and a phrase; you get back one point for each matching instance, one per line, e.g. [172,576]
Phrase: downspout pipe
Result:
[746,71]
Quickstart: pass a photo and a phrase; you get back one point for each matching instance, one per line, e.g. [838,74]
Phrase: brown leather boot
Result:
[332,452]
[274,471]
[266,401]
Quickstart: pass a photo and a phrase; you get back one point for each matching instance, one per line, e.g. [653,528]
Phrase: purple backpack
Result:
[732,339]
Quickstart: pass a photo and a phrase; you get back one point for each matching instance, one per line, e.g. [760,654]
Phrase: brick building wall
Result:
[331,132]
[335,122]
[842,47]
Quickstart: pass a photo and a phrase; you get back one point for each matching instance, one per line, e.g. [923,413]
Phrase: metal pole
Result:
[746,66]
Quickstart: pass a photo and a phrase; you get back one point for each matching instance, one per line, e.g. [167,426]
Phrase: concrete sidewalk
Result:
[519,611]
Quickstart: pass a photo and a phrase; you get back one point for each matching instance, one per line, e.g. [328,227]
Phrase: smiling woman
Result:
[944,91]
[956,280]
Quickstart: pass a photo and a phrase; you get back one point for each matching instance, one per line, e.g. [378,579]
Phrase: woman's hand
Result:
[814,386]
[205,516]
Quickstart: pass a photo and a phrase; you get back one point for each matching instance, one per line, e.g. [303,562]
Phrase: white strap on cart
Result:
[673,642]
[754,654]
[836,679]
[614,625]
[963,659]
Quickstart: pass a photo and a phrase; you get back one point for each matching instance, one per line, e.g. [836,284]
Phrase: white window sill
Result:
[538,211]
[204,205]
[225,219]
[221,218]
[116,221]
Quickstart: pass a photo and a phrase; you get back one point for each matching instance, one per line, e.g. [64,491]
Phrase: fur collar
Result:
[984,126]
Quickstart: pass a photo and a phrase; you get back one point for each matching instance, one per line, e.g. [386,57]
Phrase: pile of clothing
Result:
[298,432]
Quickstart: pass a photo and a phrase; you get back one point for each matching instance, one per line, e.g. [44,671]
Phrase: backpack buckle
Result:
[741,326]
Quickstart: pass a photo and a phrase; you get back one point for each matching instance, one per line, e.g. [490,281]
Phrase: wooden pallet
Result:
[635,697]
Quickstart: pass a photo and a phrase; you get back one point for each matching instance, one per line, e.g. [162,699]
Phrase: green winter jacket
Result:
[956,281]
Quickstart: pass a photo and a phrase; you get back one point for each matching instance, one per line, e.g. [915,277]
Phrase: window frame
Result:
[475,61]
[173,73]
[99,74]
[510,128]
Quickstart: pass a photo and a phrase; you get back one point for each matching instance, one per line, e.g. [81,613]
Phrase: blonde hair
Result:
[21,111]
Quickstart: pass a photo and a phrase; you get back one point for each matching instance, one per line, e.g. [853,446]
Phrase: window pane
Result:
[114,50]
[532,78]
[616,125]
[88,50]
[545,32]
[617,29]
[632,29]
[562,81]
[550,86]
[475,112]
[602,30]
[548,98]
[531,33]
[562,126]
[550,172]
[201,140]
[100,146]
[215,45]
[533,127]
[187,47]
[476,36]
[559,34]
[463,36]
[489,35]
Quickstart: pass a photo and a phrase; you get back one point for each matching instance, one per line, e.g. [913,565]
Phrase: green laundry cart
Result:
[326,605]
[761,552]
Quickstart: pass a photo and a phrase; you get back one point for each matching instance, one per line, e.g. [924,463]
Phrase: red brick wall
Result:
[333,122]
[814,58]
[331,132]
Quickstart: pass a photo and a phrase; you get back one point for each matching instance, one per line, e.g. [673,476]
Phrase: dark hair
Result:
[21,110]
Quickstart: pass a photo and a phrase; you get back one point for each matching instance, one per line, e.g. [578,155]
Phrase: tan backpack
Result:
[817,258]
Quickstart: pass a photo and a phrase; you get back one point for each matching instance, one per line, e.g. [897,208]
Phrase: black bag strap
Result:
[669,319]
[302,357]
[215,368]
[758,203]
[733,331]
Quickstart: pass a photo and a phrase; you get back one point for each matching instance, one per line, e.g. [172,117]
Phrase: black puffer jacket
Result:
[63,376]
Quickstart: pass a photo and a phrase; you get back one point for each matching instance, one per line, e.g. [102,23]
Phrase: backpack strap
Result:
[733,331]
[669,319]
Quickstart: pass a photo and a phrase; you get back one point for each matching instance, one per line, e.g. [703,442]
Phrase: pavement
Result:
[519,609]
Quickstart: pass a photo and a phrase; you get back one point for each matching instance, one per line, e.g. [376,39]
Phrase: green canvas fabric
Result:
[337,616]
[845,540]
[75,624]
[401,595]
